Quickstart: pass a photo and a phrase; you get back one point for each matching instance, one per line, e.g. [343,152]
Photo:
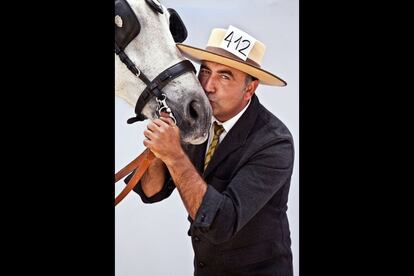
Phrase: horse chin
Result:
[195,132]
[195,139]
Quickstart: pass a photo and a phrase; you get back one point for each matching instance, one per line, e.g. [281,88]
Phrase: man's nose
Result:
[209,85]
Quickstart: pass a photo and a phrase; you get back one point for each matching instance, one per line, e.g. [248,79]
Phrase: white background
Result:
[151,239]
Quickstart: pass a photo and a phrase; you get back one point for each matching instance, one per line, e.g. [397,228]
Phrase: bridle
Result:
[127,27]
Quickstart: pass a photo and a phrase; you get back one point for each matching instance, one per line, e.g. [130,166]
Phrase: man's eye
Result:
[225,77]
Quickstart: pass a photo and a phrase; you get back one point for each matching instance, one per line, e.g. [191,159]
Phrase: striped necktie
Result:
[218,129]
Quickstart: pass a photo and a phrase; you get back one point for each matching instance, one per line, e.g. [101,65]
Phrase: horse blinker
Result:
[127,25]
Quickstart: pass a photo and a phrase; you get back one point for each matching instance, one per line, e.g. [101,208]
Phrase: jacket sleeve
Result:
[169,184]
[222,215]
[165,192]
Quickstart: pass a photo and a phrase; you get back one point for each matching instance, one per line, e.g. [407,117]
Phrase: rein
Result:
[143,161]
[140,165]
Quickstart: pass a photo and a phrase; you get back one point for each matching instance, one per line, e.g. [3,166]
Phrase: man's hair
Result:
[249,79]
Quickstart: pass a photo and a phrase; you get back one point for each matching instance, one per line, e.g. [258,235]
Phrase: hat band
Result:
[222,52]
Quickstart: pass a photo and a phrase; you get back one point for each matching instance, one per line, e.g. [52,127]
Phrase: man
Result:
[235,186]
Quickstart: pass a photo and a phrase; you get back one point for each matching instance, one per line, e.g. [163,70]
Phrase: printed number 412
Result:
[229,38]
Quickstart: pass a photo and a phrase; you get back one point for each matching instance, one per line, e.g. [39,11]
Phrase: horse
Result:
[145,37]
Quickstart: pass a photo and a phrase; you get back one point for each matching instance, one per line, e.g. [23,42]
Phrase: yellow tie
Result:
[218,129]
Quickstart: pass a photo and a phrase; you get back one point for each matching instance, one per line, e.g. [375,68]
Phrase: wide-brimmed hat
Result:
[236,49]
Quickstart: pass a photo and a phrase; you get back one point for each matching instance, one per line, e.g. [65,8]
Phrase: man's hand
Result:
[163,139]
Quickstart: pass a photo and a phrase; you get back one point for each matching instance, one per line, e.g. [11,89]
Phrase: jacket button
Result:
[197,239]
[201,264]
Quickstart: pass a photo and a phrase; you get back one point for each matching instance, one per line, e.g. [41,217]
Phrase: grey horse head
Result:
[153,50]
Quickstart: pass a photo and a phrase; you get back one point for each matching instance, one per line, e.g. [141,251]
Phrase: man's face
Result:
[225,88]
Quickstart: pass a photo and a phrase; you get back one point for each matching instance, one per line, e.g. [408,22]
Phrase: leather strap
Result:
[155,86]
[140,165]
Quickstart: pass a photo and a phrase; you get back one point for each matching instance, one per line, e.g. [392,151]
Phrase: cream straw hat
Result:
[216,51]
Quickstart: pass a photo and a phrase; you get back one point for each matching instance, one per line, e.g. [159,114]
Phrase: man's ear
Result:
[250,89]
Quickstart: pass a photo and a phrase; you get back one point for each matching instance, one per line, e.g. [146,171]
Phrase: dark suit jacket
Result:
[241,227]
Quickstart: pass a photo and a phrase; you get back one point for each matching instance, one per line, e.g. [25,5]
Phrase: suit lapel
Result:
[196,154]
[200,155]
[235,138]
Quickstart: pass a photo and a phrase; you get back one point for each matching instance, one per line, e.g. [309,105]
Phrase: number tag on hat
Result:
[237,42]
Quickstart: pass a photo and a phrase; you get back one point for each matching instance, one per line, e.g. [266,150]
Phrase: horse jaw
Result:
[127,85]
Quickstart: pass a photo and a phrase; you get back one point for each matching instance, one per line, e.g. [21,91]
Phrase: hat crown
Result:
[255,55]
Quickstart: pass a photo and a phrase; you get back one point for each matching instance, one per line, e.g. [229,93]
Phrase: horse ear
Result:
[155,5]
[177,27]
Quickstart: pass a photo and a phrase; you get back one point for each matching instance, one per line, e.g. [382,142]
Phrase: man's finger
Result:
[147,143]
[168,120]
[149,135]
[160,122]
[164,114]
[151,126]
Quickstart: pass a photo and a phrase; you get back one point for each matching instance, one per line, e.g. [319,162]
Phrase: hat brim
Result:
[199,55]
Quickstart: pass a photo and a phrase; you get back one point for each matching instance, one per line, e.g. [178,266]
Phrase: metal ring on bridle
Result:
[163,107]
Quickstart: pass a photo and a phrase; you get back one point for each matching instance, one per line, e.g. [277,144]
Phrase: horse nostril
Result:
[193,108]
